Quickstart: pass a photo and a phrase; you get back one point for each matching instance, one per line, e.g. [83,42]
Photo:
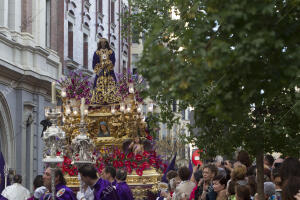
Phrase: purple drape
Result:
[171,166]
[2,164]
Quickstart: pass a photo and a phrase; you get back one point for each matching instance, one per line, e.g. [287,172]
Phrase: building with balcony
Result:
[27,68]
[40,41]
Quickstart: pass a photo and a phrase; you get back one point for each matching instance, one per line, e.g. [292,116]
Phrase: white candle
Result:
[113,110]
[68,110]
[122,106]
[53,93]
[63,92]
[150,107]
[82,107]
[131,88]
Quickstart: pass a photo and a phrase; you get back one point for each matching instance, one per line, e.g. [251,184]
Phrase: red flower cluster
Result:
[118,159]
[130,162]
[67,167]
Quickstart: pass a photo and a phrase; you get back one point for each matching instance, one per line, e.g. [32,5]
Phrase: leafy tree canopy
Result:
[236,62]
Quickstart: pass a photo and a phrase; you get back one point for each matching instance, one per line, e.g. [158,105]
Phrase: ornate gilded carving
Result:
[106,90]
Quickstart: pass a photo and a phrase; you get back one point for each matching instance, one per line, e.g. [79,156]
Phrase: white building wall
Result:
[27,68]
[79,29]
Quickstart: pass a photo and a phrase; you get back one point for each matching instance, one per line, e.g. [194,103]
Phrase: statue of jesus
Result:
[105,90]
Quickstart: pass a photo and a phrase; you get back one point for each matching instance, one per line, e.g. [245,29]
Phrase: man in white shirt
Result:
[16,191]
[86,193]
[185,188]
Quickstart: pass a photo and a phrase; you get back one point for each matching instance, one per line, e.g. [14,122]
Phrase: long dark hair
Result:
[221,179]
[290,188]
[106,45]
[289,167]
[244,158]
[38,181]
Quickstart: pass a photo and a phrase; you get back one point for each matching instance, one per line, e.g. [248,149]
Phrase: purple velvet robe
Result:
[96,60]
[103,190]
[114,183]
[124,191]
[2,197]
[67,193]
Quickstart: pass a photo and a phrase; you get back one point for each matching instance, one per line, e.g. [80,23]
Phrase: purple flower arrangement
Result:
[77,86]
[125,79]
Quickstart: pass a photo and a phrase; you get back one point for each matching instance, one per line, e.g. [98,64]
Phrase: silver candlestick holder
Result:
[54,139]
[83,148]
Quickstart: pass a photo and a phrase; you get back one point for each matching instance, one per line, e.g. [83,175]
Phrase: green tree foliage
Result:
[236,62]
[225,58]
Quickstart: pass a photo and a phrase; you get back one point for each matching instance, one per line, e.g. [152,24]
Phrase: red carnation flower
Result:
[118,152]
[115,164]
[138,157]
[139,172]
[58,153]
[120,164]
[146,153]
[145,165]
[71,173]
[149,137]
[130,155]
[127,163]
[152,161]
[129,170]
[101,166]
[122,156]
[134,165]
[100,158]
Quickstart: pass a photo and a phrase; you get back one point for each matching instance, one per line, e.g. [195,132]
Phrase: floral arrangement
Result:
[118,159]
[138,84]
[130,162]
[77,86]
[67,167]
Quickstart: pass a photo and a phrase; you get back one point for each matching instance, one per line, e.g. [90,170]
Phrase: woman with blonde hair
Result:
[238,174]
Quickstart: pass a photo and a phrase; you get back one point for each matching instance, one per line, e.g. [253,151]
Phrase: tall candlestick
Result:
[82,108]
[53,93]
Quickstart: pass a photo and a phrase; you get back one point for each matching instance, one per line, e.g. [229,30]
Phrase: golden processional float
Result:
[102,124]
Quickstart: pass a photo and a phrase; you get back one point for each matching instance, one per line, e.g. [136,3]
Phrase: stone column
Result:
[14,15]
[39,22]
[3,13]
[28,144]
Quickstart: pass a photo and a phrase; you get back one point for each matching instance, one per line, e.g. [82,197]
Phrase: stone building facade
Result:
[40,41]
[85,22]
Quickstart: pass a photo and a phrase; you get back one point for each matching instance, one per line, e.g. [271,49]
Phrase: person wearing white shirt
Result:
[86,193]
[16,191]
